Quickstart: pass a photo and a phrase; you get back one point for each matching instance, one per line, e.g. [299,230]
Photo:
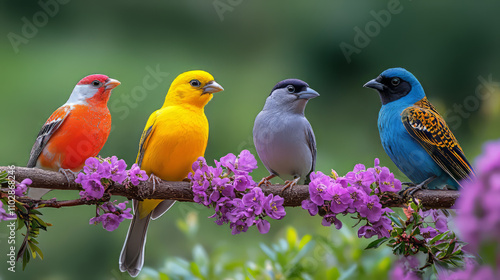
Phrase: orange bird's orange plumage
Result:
[75,131]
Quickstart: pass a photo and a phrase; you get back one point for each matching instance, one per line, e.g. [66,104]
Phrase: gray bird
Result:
[282,135]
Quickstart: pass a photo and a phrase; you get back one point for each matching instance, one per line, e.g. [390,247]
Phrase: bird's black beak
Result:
[212,87]
[375,84]
[309,93]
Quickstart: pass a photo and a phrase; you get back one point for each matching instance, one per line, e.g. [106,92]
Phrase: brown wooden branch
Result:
[181,191]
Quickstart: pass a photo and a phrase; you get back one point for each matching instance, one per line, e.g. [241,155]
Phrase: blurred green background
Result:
[248,46]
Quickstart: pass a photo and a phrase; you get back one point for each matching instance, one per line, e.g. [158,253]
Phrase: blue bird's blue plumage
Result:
[414,135]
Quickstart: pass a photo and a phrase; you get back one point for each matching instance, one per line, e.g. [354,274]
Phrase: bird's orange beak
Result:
[111,84]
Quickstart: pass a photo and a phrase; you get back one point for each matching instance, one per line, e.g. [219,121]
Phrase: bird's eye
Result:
[195,83]
[96,83]
[395,81]
[290,88]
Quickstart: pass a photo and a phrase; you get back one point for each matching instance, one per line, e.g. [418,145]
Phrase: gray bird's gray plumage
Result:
[282,135]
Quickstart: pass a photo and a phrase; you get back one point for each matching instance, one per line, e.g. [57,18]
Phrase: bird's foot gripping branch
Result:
[364,194]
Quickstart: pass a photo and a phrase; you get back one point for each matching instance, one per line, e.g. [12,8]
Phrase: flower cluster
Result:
[478,215]
[112,215]
[99,173]
[436,223]
[479,210]
[230,190]
[22,187]
[355,193]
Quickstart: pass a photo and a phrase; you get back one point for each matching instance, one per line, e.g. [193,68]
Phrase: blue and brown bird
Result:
[282,135]
[415,136]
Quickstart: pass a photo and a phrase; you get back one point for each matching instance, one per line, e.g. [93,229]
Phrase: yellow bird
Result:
[174,137]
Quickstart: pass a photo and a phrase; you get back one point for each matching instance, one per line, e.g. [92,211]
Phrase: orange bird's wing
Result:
[48,129]
[425,125]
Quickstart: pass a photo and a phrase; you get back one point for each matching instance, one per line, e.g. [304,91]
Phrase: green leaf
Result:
[34,249]
[163,276]
[376,243]
[201,258]
[305,240]
[291,237]
[333,273]
[414,206]
[451,247]
[396,220]
[270,253]
[196,270]
[437,237]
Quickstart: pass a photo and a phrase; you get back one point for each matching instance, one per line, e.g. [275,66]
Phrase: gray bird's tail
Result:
[37,193]
[132,255]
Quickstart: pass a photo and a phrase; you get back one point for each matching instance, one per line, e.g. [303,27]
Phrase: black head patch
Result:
[299,85]
[394,88]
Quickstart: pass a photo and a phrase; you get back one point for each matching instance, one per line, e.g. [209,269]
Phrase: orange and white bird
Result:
[75,131]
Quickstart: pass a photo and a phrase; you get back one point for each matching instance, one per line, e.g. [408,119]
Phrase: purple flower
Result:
[199,163]
[310,206]
[386,181]
[472,271]
[254,198]
[428,232]
[478,207]
[222,207]
[372,209]
[238,227]
[358,198]
[361,178]
[340,197]
[22,187]
[246,161]
[200,196]
[221,187]
[136,174]
[490,158]
[3,214]
[114,169]
[273,206]
[263,226]
[110,221]
[93,189]
[383,227]
[242,182]
[318,187]
[330,219]
[229,161]
[367,231]
[113,215]
[405,269]
[92,165]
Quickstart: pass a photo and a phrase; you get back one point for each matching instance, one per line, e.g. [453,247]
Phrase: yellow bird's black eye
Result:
[96,83]
[395,81]
[195,83]
[290,88]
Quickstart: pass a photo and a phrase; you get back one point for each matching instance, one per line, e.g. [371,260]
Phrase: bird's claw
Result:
[412,188]
[290,184]
[65,172]
[265,181]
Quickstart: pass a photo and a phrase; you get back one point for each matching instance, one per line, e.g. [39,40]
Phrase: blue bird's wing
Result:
[425,125]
